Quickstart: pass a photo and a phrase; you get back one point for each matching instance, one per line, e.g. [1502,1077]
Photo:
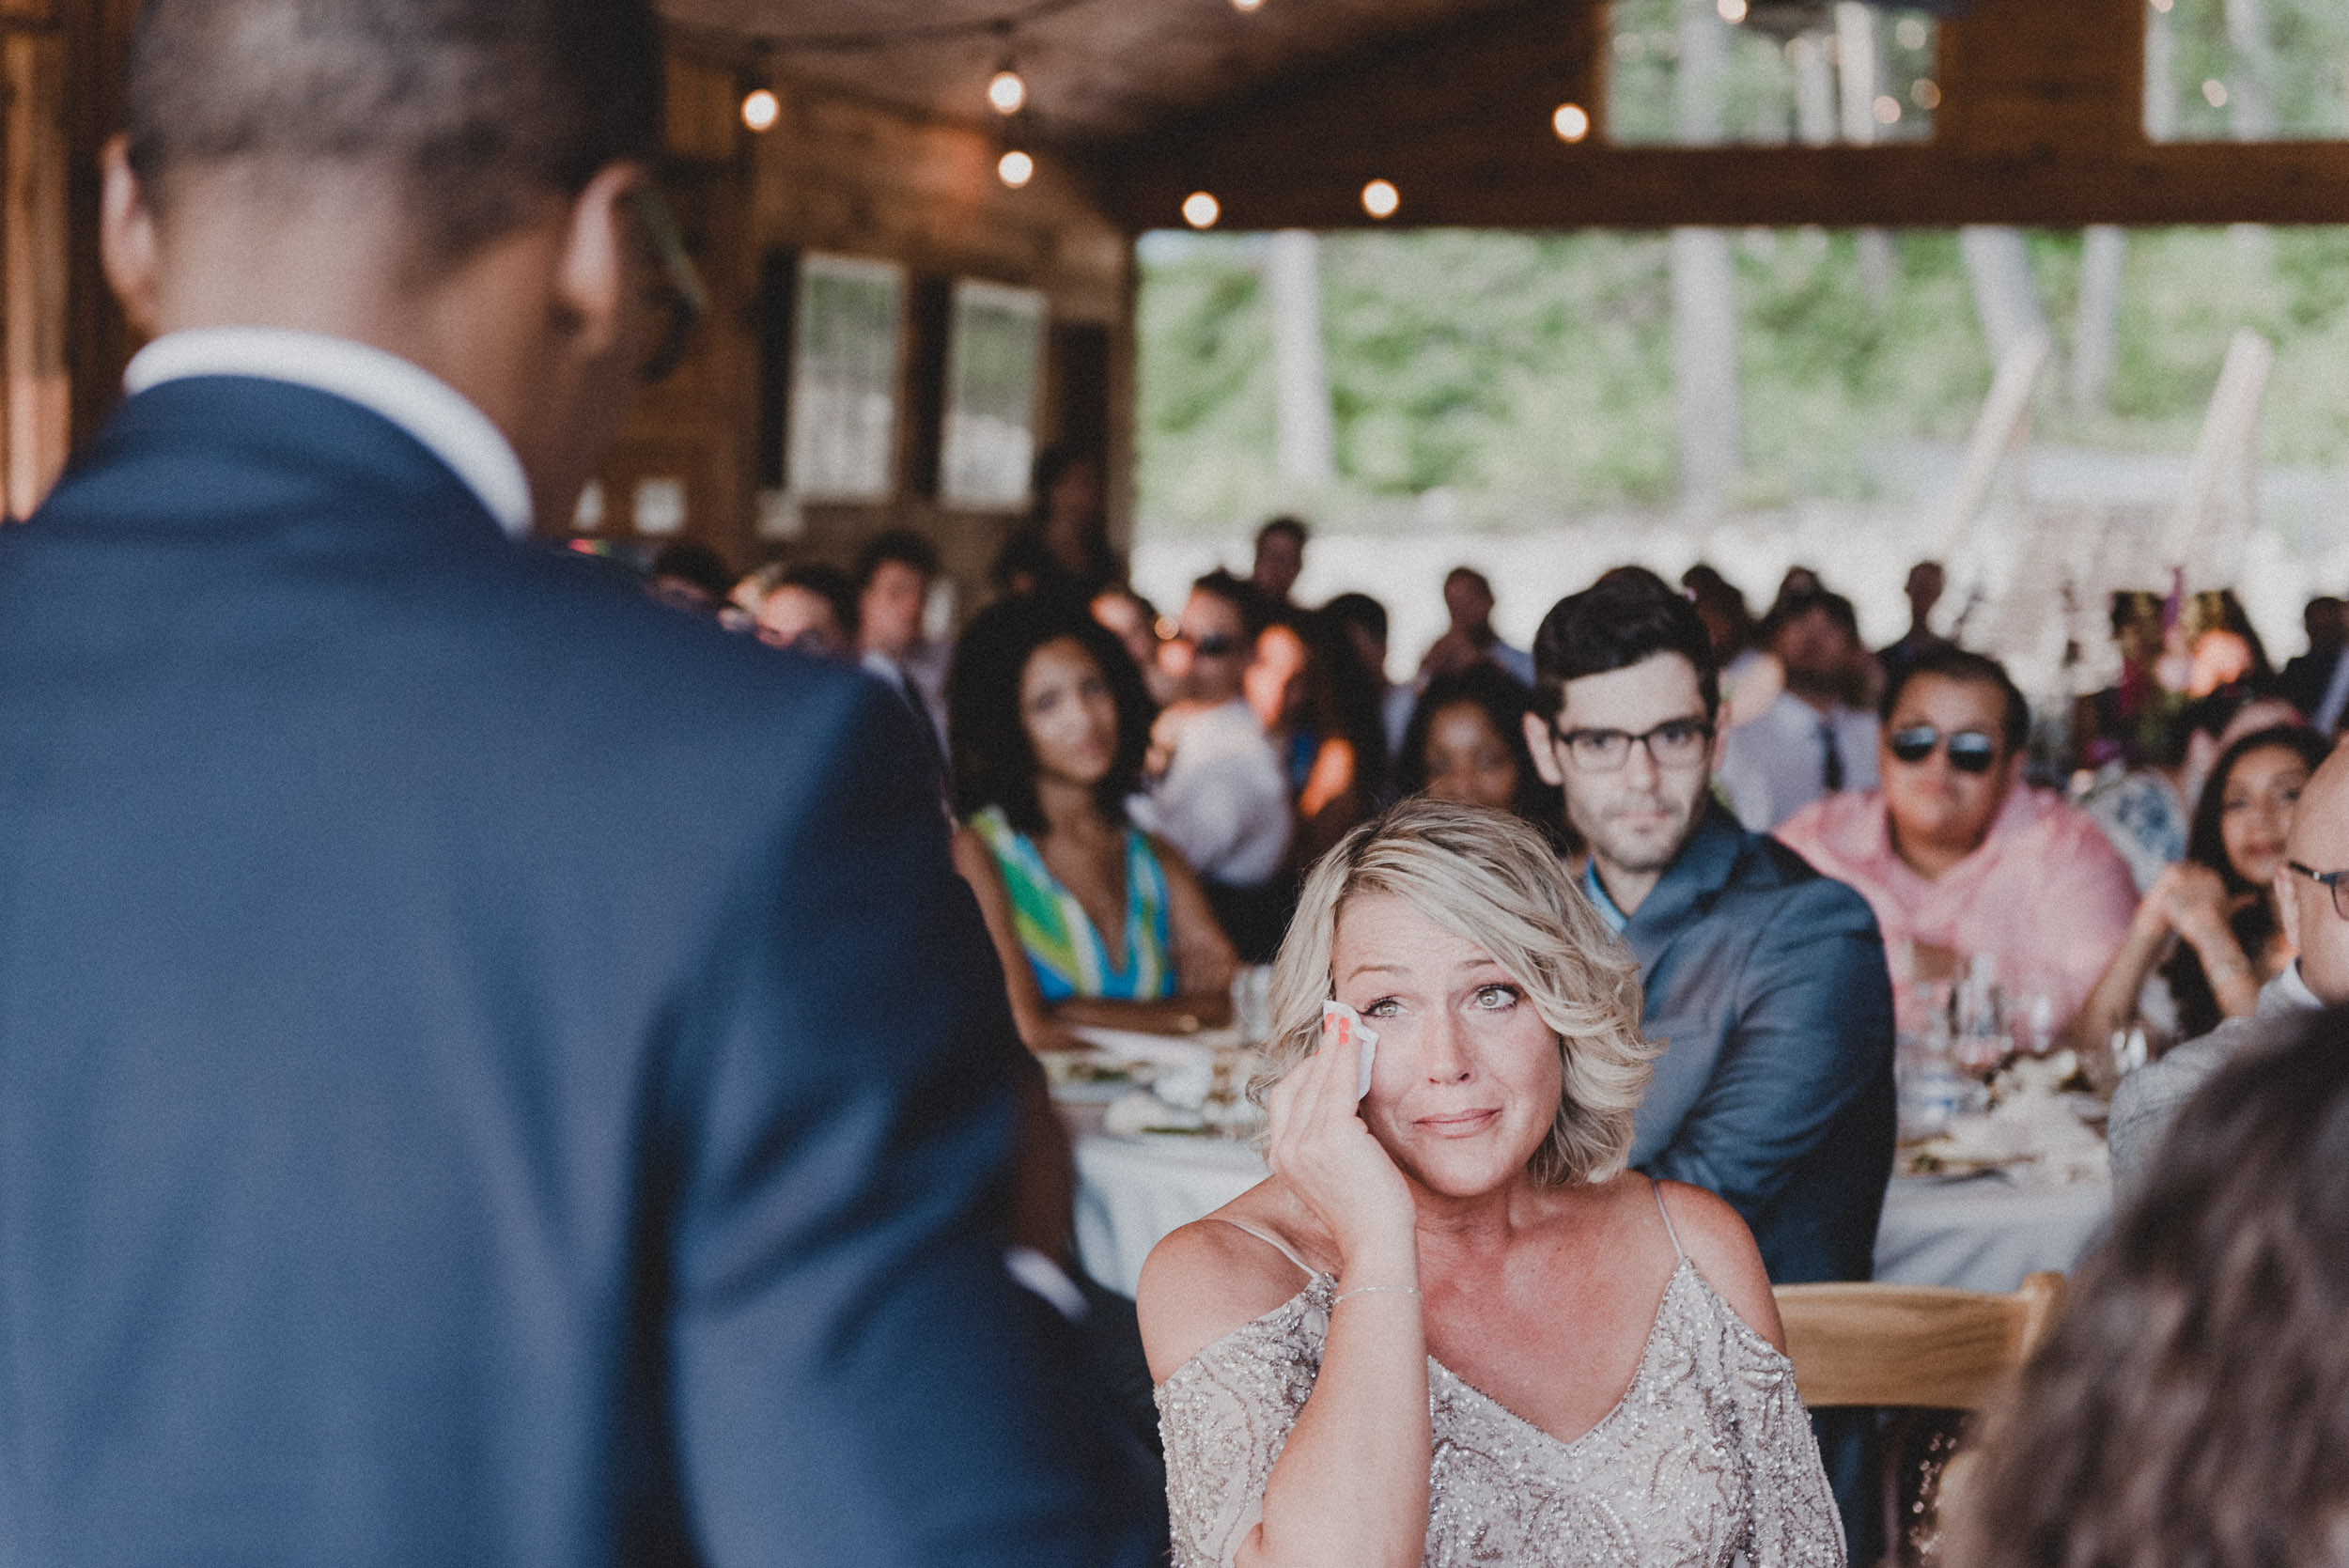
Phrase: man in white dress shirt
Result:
[1809,743]
[1222,799]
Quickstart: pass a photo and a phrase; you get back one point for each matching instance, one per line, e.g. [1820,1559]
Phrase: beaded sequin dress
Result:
[1706,1461]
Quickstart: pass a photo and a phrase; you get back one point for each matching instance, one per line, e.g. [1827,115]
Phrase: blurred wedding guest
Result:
[2191,1408]
[2207,936]
[502,1073]
[2128,719]
[1134,621]
[1063,550]
[1926,582]
[1468,598]
[1362,621]
[810,606]
[1097,923]
[1808,743]
[1961,859]
[1766,980]
[2313,905]
[1223,799]
[1330,1343]
[1749,678]
[893,574]
[2307,679]
[2222,647]
[1280,558]
[1321,712]
[1466,743]
[689,575]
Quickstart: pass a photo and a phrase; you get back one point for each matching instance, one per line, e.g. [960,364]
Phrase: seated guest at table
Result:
[1135,620]
[810,606]
[1280,559]
[2206,937]
[1466,743]
[689,575]
[1468,597]
[1063,551]
[1320,711]
[2307,679]
[1361,621]
[1394,1349]
[1222,798]
[1095,922]
[2313,905]
[893,574]
[1766,980]
[2189,1407]
[1808,743]
[1960,857]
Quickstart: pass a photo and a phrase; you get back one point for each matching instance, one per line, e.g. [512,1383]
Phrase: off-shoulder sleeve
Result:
[1794,1523]
[1224,1416]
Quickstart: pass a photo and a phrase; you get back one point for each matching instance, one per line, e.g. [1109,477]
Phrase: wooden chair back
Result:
[1919,1347]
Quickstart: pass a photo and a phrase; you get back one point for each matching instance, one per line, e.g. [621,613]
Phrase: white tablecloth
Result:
[1980,1235]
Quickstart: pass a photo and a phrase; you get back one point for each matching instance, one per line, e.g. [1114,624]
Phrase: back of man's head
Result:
[1627,618]
[474,107]
[2319,840]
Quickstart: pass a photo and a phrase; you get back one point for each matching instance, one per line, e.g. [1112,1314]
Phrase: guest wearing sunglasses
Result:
[1222,798]
[1958,857]
[1763,981]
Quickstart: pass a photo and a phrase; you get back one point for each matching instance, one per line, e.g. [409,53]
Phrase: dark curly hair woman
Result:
[1466,743]
[2192,1409]
[1095,922]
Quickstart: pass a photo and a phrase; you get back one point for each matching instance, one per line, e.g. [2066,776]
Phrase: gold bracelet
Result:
[1365,1290]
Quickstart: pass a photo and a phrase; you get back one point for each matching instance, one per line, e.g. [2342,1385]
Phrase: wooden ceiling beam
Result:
[2041,123]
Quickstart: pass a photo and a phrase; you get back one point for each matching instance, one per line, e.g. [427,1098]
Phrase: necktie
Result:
[913,696]
[1832,760]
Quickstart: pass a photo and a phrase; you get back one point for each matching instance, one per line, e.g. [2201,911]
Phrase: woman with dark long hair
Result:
[2191,1409]
[1465,742]
[2207,926]
[1095,922]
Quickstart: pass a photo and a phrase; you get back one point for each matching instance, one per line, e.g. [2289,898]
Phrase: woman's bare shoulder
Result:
[1212,1276]
[1717,1242]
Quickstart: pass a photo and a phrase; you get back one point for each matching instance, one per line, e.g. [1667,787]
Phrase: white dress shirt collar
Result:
[419,402]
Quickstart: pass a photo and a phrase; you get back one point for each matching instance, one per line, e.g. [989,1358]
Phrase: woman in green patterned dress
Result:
[1096,922]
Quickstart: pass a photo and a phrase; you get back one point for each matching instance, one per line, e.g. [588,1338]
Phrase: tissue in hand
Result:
[1340,1022]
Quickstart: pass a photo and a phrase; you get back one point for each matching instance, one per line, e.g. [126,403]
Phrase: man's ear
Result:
[591,278]
[1542,742]
[2288,904]
[126,238]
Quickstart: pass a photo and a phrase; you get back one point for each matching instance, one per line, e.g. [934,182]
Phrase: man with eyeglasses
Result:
[1969,868]
[1764,981]
[1222,798]
[2312,898]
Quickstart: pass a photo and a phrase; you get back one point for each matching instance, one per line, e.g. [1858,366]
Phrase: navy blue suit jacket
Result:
[1766,983]
[491,1070]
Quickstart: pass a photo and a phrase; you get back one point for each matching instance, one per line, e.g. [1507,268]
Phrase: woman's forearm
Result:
[2228,967]
[1350,1487]
[2112,1004]
[1176,1015]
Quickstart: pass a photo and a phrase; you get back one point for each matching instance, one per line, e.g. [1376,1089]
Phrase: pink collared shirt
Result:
[2045,893]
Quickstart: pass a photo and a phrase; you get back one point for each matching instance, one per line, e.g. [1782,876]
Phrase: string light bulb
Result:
[1732,11]
[1015,168]
[1007,92]
[1572,123]
[761,109]
[1201,210]
[1380,199]
[1247,7]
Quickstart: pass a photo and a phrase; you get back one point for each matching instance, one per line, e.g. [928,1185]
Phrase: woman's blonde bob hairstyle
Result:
[1489,877]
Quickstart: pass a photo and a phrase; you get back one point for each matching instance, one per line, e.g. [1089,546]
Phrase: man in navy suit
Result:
[491,1070]
[1764,981]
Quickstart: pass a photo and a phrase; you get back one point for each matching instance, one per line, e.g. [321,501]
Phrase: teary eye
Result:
[1495,998]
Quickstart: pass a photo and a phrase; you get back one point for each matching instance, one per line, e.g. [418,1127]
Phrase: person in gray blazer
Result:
[1765,982]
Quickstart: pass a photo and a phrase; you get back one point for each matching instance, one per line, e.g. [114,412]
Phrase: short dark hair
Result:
[901,545]
[1951,662]
[1256,612]
[1294,527]
[478,105]
[1627,618]
[1358,609]
[1835,607]
[835,586]
[691,560]
[993,763]
[2192,1402]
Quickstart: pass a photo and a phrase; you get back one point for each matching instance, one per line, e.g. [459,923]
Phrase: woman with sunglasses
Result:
[1095,921]
[2207,938]
[1962,860]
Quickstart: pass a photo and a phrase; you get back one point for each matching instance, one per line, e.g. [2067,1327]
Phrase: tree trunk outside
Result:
[2096,334]
[1704,288]
[1305,435]
[2006,298]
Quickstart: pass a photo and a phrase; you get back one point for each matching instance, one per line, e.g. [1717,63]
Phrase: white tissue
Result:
[1338,1021]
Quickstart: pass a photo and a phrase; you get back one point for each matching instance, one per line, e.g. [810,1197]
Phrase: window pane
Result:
[1768,73]
[991,378]
[2246,70]
[844,379]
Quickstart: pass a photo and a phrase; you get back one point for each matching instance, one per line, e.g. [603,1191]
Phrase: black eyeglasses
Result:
[2334,883]
[1971,750]
[1673,743]
[678,295]
[1213,646]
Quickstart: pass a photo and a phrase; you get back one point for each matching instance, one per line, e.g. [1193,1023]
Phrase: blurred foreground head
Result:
[2193,1406]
